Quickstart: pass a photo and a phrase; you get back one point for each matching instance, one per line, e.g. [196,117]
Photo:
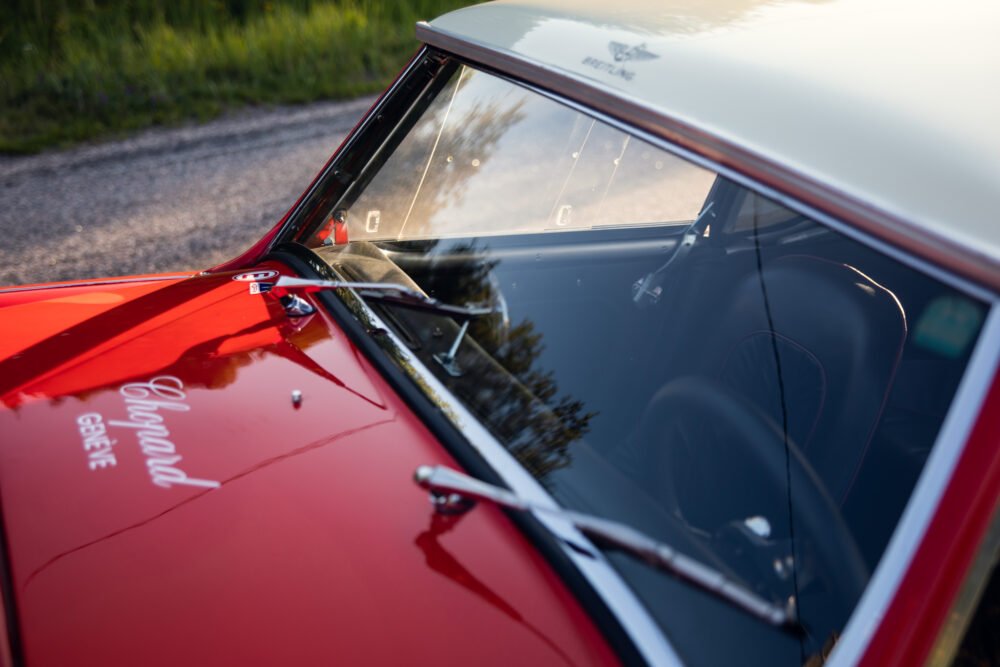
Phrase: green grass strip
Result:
[88,72]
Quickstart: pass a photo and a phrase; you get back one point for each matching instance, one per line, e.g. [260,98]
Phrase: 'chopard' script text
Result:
[147,404]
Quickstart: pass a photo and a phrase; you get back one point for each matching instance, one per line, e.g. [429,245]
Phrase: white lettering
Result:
[144,402]
[96,442]
[163,386]
[166,476]
[100,460]
[154,445]
[88,419]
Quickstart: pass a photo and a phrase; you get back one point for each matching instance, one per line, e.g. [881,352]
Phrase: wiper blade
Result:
[450,489]
[400,295]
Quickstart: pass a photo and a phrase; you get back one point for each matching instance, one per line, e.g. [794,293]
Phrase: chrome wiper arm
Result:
[450,489]
[400,295]
[647,290]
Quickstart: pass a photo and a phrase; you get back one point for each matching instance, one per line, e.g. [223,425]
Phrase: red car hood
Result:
[165,502]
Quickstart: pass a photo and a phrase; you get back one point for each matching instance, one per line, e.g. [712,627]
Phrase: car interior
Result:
[753,387]
[776,354]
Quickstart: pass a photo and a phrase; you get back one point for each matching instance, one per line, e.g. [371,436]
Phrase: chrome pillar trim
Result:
[961,259]
[910,531]
[292,221]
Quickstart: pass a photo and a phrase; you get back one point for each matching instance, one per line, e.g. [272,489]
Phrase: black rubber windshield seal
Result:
[305,263]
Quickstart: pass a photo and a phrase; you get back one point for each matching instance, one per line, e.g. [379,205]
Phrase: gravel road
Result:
[164,200]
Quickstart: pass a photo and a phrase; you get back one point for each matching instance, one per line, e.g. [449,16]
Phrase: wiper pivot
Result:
[454,492]
[399,295]
[389,292]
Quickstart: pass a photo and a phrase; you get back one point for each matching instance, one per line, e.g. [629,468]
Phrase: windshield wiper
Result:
[401,295]
[396,294]
[646,291]
[452,491]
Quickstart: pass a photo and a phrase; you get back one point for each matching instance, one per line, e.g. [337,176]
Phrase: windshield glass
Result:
[661,347]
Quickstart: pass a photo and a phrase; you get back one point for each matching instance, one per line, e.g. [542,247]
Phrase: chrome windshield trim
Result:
[292,220]
[909,533]
[619,598]
[961,259]
[859,223]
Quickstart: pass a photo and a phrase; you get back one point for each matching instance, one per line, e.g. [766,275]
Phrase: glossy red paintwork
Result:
[928,590]
[315,548]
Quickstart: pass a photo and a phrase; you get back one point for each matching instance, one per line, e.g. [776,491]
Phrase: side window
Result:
[758,212]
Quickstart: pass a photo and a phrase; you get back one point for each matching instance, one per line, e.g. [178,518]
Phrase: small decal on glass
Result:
[947,326]
[564,216]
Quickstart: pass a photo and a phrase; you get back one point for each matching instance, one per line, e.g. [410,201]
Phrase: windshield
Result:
[660,346]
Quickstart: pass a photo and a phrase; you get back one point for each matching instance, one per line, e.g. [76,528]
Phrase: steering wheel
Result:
[695,432]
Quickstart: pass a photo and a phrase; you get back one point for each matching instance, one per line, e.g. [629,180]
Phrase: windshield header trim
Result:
[967,261]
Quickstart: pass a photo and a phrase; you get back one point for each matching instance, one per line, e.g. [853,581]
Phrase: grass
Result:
[72,70]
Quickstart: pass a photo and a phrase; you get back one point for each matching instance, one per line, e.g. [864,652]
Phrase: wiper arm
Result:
[400,295]
[647,290]
[453,491]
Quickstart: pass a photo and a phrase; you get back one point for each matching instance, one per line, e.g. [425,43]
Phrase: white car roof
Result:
[894,104]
